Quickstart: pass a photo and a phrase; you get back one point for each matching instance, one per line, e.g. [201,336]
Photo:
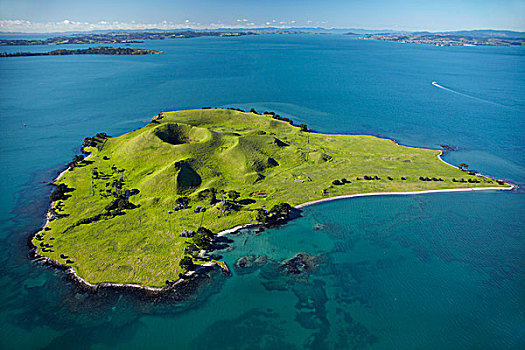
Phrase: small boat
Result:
[435,83]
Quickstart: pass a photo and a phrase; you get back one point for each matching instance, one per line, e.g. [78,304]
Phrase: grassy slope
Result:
[229,151]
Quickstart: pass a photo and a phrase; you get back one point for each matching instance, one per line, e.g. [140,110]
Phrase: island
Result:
[118,37]
[99,50]
[145,208]
[465,38]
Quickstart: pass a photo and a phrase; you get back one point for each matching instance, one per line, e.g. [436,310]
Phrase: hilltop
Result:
[128,212]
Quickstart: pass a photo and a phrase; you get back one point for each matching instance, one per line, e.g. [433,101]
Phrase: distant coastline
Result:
[448,39]
[117,38]
[99,50]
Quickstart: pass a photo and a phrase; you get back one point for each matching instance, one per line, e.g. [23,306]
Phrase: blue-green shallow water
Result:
[418,272]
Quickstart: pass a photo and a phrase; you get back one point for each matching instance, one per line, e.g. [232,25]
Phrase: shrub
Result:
[233,195]
[303,127]
[184,201]
[186,263]
[60,192]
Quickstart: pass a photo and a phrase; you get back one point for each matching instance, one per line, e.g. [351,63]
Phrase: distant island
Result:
[462,38]
[118,38]
[99,50]
[144,209]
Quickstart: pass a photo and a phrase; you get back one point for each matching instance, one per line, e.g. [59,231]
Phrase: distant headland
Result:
[459,38]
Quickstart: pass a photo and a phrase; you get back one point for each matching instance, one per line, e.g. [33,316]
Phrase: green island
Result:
[144,208]
[99,50]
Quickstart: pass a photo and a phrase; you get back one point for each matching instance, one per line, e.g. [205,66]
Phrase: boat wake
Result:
[465,95]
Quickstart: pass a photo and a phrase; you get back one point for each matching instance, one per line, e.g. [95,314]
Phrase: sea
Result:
[427,271]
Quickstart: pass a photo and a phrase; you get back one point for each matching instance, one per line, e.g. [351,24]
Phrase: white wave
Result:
[465,95]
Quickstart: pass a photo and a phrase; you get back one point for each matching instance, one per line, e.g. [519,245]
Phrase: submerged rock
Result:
[250,263]
[299,264]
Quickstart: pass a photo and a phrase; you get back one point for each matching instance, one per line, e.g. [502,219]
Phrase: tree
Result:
[262,216]
[203,239]
[282,210]
[60,192]
[278,212]
[186,263]
[185,201]
[463,166]
[233,195]
[205,232]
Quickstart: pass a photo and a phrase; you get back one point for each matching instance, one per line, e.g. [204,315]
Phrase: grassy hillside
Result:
[199,152]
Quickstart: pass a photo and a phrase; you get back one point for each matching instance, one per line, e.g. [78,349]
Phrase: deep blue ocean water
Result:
[436,271]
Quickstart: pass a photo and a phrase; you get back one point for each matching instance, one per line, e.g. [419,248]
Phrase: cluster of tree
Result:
[183,201]
[203,239]
[120,203]
[95,141]
[366,177]
[60,192]
[229,201]
[76,160]
[233,195]
[341,182]
[303,127]
[278,213]
[186,263]
[199,209]
[209,194]
[55,214]
[472,181]
[421,178]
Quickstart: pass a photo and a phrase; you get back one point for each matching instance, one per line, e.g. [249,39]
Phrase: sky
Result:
[431,15]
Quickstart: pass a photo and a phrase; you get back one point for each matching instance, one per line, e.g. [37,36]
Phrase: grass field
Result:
[185,152]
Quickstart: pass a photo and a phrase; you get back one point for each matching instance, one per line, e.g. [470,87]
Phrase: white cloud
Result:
[24,26]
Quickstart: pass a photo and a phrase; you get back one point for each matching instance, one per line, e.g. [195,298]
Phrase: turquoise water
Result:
[413,272]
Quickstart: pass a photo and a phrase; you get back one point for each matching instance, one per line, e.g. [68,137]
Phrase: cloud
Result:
[67,25]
